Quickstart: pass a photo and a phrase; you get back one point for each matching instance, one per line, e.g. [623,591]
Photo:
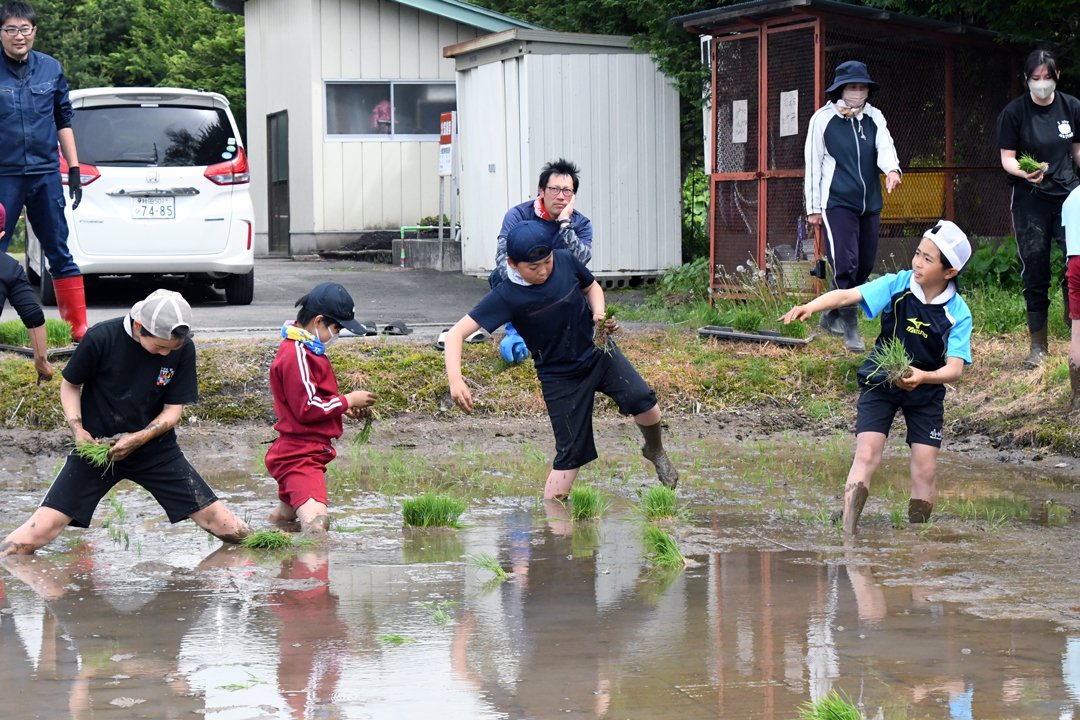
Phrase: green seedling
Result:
[273,540]
[995,519]
[438,610]
[587,503]
[395,640]
[660,502]
[57,333]
[97,454]
[601,334]
[484,561]
[430,510]
[363,437]
[890,361]
[896,518]
[1029,164]
[251,682]
[834,706]
[661,549]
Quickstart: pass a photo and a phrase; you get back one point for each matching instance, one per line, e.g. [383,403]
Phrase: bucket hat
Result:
[852,71]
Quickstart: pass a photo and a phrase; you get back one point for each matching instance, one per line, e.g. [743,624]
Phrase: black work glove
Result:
[75,186]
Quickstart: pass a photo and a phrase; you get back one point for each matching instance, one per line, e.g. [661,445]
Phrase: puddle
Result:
[138,617]
[583,628]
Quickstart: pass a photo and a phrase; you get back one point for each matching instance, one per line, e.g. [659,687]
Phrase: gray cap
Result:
[162,312]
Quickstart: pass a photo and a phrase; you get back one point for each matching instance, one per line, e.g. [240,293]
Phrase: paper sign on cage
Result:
[789,113]
[740,117]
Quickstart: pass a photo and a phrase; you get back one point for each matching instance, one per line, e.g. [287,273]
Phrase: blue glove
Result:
[513,349]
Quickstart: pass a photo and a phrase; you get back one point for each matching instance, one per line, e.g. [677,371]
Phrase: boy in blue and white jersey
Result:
[921,308]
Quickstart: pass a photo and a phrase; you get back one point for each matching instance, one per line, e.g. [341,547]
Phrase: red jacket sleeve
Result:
[300,385]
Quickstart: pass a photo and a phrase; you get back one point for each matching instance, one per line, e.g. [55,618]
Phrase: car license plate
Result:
[156,208]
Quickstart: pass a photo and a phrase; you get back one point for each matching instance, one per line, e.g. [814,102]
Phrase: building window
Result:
[384,110]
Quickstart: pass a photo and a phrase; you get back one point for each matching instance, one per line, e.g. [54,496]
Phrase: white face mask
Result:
[855,98]
[331,340]
[1042,89]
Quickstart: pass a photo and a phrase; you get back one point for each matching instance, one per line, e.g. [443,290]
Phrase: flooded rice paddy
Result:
[973,616]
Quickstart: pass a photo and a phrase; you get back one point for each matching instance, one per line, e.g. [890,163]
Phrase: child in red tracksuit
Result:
[309,407]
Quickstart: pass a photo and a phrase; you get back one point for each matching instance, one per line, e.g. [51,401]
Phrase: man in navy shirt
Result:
[554,208]
[555,303]
[35,115]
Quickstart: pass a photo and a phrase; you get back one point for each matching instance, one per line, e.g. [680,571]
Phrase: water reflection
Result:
[581,628]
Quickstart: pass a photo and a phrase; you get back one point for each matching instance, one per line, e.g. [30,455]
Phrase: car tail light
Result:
[233,172]
[87,173]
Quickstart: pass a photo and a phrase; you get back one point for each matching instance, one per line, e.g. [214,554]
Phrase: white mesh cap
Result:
[162,312]
[951,241]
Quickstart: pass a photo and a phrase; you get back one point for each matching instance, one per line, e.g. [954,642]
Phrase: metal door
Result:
[766,86]
[277,158]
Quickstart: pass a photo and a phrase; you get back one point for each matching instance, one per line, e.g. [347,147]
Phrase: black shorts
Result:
[924,412]
[174,483]
[570,405]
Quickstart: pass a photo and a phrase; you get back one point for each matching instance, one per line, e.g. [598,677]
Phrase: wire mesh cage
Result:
[940,91]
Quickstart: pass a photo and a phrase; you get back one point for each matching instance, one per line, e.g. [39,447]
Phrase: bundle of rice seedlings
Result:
[747,320]
[97,454]
[268,540]
[834,706]
[484,561]
[430,510]
[57,333]
[1029,164]
[586,503]
[660,502]
[890,361]
[601,334]
[364,436]
[661,549]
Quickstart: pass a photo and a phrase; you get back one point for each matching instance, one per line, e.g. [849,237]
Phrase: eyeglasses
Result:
[560,191]
[25,31]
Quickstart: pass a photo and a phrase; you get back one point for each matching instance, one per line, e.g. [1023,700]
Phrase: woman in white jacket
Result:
[846,145]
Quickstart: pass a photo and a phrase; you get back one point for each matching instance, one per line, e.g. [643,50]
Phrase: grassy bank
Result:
[795,387]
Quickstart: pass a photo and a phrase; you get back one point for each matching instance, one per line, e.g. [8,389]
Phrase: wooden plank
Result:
[350,39]
[430,50]
[352,185]
[373,184]
[370,42]
[332,195]
[389,57]
[408,42]
[391,182]
[330,38]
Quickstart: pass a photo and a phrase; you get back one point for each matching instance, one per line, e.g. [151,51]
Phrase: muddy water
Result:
[165,624]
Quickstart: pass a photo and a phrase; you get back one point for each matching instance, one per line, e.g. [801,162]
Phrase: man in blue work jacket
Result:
[35,114]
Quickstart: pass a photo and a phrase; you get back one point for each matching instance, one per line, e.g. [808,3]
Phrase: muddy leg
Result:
[40,530]
[923,482]
[1074,365]
[313,518]
[282,513]
[868,449]
[219,521]
[648,423]
[559,483]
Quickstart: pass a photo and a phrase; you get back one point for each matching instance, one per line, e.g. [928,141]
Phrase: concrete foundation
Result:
[434,254]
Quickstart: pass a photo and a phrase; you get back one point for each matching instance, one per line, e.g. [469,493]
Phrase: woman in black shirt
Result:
[1043,123]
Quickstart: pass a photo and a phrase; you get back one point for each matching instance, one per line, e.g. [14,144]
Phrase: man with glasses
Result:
[35,115]
[553,207]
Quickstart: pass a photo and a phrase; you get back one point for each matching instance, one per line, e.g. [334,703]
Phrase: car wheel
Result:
[240,289]
[48,292]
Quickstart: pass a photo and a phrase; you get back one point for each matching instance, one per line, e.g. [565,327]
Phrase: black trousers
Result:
[851,240]
[1036,224]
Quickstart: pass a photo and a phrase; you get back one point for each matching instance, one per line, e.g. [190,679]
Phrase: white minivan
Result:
[165,191]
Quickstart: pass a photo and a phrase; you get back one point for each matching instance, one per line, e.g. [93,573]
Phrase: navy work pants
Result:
[43,198]
[1037,226]
[851,241]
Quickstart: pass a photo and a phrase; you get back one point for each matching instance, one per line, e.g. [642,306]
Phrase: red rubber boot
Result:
[71,301]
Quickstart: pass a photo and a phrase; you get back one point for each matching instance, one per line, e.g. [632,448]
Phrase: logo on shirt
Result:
[935,434]
[1065,129]
[164,376]
[916,327]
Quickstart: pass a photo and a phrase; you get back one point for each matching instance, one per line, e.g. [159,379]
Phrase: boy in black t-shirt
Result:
[130,378]
[554,302]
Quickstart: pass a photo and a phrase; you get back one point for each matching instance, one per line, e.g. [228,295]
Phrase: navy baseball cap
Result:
[530,241]
[333,302]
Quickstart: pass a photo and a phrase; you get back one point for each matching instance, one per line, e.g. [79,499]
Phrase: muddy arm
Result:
[167,420]
[71,402]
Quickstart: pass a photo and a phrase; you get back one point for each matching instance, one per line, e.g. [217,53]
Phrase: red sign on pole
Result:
[446,145]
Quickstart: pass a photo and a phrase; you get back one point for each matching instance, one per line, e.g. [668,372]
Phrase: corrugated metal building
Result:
[526,97]
[343,102]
